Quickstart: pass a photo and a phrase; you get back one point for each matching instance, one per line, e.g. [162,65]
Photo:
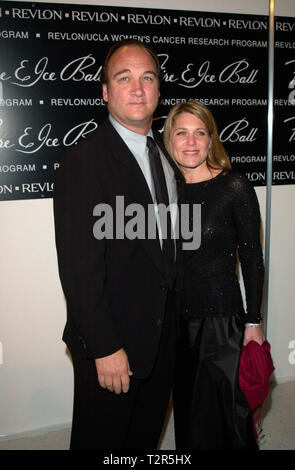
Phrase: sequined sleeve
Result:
[248,223]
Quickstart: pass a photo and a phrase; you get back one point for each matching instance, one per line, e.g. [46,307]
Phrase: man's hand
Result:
[113,372]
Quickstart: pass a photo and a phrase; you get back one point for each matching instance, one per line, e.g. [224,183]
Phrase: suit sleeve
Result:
[81,257]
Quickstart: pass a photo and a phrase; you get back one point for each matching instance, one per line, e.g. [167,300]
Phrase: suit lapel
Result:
[180,184]
[177,173]
[137,189]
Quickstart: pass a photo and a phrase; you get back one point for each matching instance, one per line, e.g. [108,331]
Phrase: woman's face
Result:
[190,141]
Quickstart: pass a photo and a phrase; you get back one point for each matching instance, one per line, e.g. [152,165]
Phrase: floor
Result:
[278,416]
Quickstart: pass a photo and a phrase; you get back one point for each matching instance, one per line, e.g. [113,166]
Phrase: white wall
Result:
[36,380]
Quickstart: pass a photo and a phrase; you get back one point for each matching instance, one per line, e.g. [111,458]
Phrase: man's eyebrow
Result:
[121,71]
[152,72]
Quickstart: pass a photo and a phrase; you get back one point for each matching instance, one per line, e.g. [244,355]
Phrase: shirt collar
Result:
[133,140]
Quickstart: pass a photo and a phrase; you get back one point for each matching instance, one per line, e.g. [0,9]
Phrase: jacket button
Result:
[163,287]
[159,322]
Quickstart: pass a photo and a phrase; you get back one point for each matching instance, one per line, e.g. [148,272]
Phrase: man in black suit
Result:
[120,290]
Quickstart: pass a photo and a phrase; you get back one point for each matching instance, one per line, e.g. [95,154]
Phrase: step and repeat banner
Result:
[50,92]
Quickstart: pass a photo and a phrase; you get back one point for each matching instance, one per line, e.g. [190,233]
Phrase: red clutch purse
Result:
[255,368]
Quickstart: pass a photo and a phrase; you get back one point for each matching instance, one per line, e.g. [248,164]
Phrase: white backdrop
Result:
[36,380]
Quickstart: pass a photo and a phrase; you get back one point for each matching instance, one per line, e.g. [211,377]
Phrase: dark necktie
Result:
[161,194]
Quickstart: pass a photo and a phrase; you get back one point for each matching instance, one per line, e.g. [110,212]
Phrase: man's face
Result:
[132,91]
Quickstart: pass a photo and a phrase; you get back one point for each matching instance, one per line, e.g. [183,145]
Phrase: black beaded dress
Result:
[210,411]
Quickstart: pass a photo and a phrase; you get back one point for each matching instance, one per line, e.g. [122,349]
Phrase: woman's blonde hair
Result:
[217,156]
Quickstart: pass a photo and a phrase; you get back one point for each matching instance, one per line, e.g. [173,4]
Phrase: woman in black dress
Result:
[210,411]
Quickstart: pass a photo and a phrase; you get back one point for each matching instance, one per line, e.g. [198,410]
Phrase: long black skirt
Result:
[210,410]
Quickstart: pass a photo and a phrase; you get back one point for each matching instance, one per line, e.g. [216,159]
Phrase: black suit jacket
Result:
[115,288]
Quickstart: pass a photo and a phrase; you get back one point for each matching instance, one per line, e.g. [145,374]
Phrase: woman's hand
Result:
[254,333]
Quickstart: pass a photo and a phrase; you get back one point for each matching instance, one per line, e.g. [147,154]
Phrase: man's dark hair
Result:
[128,42]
